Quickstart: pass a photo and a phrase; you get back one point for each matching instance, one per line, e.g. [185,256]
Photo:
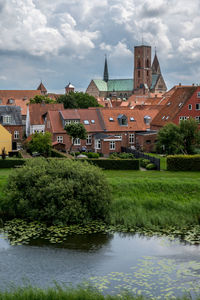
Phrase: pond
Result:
[156,267]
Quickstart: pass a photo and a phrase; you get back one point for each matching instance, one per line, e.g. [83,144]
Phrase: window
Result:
[76,121]
[7,119]
[183,118]
[124,121]
[86,122]
[77,142]
[131,138]
[180,104]
[16,135]
[198,94]
[10,101]
[112,145]
[0,101]
[67,122]
[198,106]
[163,117]
[168,104]
[111,119]
[60,139]
[98,144]
[93,121]
[132,119]
[197,119]
[89,140]
[138,74]
[190,106]
[148,142]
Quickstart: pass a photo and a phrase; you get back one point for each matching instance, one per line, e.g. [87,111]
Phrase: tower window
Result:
[147,73]
[147,63]
[139,64]
[139,74]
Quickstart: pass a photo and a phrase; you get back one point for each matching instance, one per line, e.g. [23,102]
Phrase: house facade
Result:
[5,139]
[11,120]
[107,129]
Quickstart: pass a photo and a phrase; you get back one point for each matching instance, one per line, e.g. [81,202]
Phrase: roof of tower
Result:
[105,74]
[156,65]
[41,87]
[69,86]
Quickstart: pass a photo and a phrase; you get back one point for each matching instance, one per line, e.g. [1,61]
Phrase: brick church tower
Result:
[142,67]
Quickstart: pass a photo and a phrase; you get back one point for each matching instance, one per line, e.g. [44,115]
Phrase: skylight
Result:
[163,117]
[93,121]
[132,119]
[180,104]
[86,122]
[167,117]
[111,119]
[168,103]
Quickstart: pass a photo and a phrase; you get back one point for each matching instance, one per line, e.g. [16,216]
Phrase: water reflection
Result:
[156,266]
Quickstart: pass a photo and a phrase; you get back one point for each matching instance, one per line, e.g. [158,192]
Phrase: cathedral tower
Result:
[105,73]
[142,67]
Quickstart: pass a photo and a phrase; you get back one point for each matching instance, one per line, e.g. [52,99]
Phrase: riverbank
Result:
[149,202]
[59,293]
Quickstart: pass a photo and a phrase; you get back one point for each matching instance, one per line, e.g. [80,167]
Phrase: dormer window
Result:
[6,119]
[122,119]
[10,101]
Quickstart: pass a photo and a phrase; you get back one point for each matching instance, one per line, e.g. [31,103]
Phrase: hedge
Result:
[183,163]
[11,163]
[56,153]
[116,164]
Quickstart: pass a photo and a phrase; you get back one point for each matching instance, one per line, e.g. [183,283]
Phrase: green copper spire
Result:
[105,74]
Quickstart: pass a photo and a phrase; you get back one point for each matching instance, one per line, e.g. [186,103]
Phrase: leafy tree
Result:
[173,139]
[57,192]
[191,135]
[170,139]
[77,100]
[41,99]
[76,130]
[41,143]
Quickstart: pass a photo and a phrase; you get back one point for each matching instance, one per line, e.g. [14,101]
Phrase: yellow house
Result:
[5,139]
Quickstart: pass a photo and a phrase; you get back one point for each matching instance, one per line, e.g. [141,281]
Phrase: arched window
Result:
[138,64]
[147,63]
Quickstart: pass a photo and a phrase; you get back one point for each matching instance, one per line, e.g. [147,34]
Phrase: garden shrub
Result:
[11,162]
[122,155]
[183,163]
[144,162]
[92,155]
[151,166]
[116,164]
[57,191]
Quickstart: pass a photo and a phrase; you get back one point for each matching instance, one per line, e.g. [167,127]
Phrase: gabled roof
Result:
[37,110]
[42,88]
[173,105]
[13,111]
[116,85]
[70,114]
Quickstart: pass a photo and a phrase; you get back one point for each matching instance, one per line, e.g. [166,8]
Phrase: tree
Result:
[41,99]
[170,140]
[173,139]
[191,135]
[57,192]
[76,130]
[77,100]
[41,143]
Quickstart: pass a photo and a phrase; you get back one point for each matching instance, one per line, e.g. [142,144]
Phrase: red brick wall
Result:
[12,129]
[147,142]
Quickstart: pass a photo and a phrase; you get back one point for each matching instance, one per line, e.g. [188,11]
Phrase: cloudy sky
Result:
[58,41]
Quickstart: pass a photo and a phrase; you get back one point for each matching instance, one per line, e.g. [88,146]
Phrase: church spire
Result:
[156,65]
[105,74]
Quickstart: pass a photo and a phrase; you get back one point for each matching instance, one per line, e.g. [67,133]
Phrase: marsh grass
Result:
[150,200]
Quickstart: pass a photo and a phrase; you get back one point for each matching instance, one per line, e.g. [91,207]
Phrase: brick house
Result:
[11,119]
[183,103]
[108,129]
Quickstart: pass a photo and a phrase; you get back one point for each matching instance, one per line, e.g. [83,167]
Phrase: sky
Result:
[62,41]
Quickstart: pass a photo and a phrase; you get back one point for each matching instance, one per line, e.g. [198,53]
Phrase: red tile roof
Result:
[37,110]
[173,105]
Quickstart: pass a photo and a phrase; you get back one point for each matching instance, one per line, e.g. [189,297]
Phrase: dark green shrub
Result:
[57,191]
[144,162]
[11,163]
[125,155]
[183,163]
[92,155]
[56,153]
[116,164]
[114,155]
[151,166]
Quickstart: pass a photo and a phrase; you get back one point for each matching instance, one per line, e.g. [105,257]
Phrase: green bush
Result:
[144,162]
[183,163]
[11,162]
[57,191]
[116,164]
[151,166]
[122,155]
[92,155]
